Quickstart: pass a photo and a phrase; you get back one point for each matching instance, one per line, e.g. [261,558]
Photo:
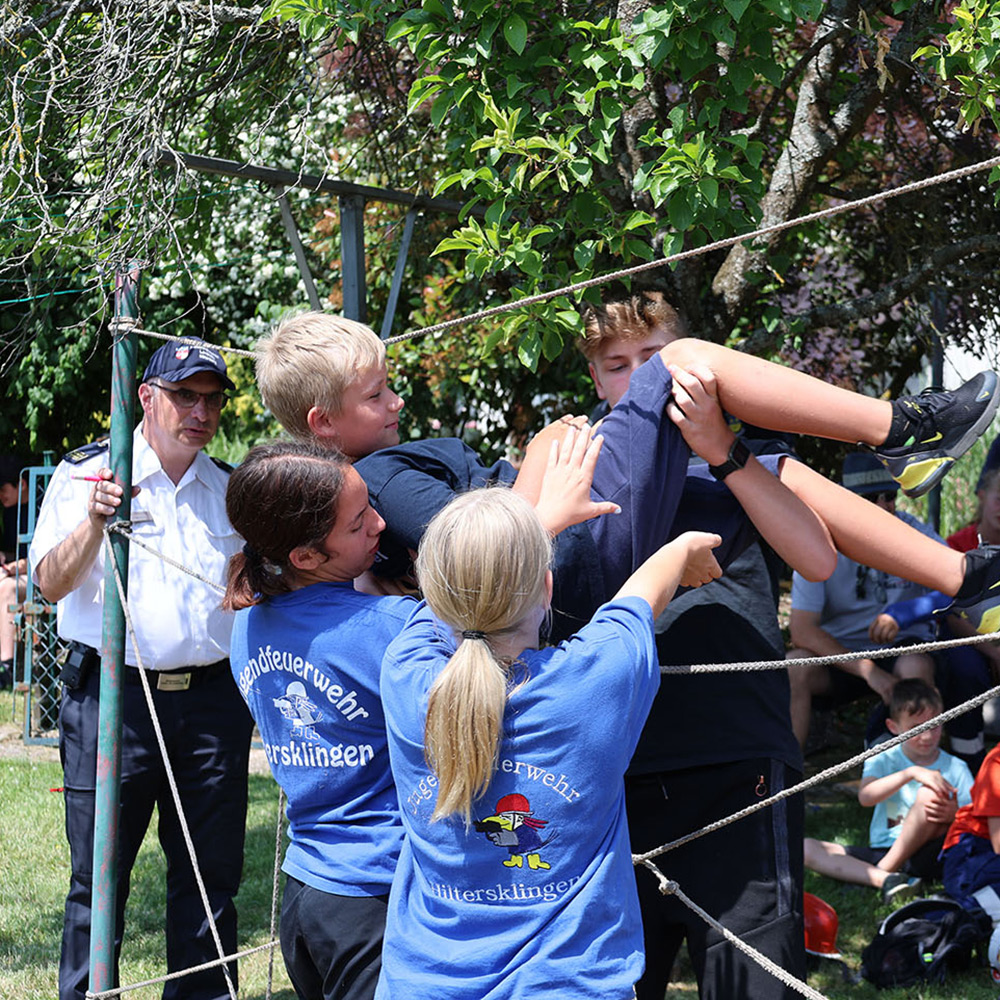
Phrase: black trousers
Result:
[748,876]
[207,732]
[332,945]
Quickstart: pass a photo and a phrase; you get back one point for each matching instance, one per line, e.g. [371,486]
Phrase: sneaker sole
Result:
[905,890]
[926,475]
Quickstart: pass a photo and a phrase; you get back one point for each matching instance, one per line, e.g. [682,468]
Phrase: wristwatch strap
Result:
[737,458]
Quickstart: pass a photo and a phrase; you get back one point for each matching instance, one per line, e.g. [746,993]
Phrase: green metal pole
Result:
[109,735]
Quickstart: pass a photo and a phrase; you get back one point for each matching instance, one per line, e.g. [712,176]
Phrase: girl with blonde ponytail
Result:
[515,878]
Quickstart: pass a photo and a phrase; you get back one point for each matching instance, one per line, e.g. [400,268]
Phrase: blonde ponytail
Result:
[482,568]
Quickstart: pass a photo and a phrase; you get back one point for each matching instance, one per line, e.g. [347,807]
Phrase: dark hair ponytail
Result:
[281,496]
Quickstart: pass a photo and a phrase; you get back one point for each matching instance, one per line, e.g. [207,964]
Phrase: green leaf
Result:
[736,8]
[680,211]
[440,109]
[516,33]
[529,350]
[552,343]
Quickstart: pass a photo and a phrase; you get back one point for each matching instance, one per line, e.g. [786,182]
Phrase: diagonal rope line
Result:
[670,888]
[168,768]
[818,779]
[124,528]
[729,241]
[274,888]
[119,990]
[872,654]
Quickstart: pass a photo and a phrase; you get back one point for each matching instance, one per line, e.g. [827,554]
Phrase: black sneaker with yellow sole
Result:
[941,426]
[978,599]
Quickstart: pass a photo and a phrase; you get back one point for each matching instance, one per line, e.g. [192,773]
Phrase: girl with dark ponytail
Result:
[306,653]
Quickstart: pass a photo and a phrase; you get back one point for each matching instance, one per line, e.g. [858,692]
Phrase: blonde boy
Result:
[324,378]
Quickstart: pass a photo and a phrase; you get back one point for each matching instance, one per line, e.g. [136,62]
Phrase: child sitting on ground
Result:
[971,852]
[916,789]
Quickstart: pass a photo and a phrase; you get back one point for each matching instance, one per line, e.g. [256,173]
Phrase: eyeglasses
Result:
[187,399]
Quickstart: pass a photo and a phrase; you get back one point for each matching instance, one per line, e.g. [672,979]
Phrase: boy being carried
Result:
[325,378]
[916,789]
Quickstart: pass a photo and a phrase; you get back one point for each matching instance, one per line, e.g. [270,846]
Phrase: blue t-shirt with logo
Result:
[308,664]
[537,897]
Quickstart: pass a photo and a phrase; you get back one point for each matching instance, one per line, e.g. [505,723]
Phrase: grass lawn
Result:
[34,875]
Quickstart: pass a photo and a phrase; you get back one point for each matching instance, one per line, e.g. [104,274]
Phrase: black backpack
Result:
[921,941]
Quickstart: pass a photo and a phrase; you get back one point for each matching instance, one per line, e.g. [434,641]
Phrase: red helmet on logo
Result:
[514,804]
[821,926]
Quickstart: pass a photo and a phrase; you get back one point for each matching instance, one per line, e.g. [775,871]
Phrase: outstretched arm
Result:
[686,561]
[787,524]
[564,494]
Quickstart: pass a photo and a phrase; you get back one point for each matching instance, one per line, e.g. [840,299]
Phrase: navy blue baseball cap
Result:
[175,361]
[865,474]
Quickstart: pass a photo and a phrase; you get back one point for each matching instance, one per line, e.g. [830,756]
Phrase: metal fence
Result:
[37,649]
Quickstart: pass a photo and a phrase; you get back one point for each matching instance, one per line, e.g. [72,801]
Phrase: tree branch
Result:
[816,137]
[839,314]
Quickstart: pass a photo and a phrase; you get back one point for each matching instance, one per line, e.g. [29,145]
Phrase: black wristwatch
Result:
[739,455]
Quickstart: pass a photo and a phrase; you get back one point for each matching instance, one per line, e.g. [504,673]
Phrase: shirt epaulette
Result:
[225,466]
[85,451]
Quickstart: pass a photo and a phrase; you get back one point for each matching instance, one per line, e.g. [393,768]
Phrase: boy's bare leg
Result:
[916,831]
[783,399]
[874,537]
[833,861]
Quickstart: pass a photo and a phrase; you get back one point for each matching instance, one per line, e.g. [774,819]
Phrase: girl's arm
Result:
[564,496]
[686,561]
[787,524]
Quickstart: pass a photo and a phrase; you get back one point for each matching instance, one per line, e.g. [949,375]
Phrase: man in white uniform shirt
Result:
[179,509]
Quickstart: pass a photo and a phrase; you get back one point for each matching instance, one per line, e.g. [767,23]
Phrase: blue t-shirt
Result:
[308,664]
[888,815]
[537,898]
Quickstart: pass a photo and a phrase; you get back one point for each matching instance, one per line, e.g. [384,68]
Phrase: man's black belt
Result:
[178,679]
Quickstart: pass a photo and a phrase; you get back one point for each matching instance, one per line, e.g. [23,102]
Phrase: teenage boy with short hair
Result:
[916,789]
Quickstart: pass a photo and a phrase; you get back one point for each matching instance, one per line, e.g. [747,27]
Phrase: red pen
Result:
[89,479]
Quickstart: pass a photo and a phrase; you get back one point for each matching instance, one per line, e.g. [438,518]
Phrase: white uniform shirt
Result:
[177,618]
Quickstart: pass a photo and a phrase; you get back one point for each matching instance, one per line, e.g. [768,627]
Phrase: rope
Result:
[124,528]
[818,779]
[274,888]
[708,248]
[182,819]
[238,351]
[118,991]
[670,888]
[530,300]
[872,654]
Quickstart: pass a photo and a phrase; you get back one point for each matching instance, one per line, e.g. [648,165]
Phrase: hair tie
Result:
[471,633]
[250,552]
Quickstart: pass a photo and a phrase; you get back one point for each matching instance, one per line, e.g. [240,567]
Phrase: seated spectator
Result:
[971,852]
[915,789]
[13,561]
[841,614]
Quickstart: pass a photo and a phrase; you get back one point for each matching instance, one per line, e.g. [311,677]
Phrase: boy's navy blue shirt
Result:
[410,483]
